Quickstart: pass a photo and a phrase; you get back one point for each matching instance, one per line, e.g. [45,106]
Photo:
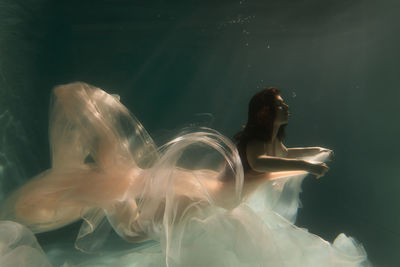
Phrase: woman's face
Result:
[282,111]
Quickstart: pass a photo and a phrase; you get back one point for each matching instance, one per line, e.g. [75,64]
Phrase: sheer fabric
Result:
[190,195]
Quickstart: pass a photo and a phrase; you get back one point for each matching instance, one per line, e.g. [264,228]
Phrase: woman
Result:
[260,143]
[107,170]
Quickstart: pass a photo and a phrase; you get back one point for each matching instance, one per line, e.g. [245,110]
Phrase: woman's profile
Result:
[107,171]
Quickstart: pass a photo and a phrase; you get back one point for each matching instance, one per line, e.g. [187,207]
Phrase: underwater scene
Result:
[142,133]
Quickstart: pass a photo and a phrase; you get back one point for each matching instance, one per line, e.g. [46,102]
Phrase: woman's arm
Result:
[264,163]
[299,152]
[275,164]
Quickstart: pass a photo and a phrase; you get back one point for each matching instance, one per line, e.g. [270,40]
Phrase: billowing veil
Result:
[95,145]
[189,195]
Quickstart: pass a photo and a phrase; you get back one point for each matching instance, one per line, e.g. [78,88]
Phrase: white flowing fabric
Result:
[190,195]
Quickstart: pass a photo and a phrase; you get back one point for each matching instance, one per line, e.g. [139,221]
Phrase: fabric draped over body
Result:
[189,195]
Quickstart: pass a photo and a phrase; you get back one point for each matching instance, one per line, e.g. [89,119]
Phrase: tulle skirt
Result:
[186,203]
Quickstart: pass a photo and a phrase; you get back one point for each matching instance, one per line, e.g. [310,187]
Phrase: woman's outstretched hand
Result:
[329,151]
[318,169]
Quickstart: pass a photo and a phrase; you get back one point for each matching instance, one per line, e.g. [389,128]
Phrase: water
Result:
[336,62]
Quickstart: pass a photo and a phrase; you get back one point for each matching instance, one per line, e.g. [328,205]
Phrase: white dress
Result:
[188,195]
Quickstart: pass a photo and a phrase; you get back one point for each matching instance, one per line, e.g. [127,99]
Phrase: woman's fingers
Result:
[330,153]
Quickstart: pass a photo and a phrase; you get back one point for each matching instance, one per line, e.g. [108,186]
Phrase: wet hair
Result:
[260,121]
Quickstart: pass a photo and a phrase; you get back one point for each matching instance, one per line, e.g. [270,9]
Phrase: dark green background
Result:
[337,63]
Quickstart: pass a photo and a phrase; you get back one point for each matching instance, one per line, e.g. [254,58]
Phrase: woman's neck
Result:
[275,131]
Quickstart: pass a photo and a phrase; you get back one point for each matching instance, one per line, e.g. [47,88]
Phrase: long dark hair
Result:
[260,121]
